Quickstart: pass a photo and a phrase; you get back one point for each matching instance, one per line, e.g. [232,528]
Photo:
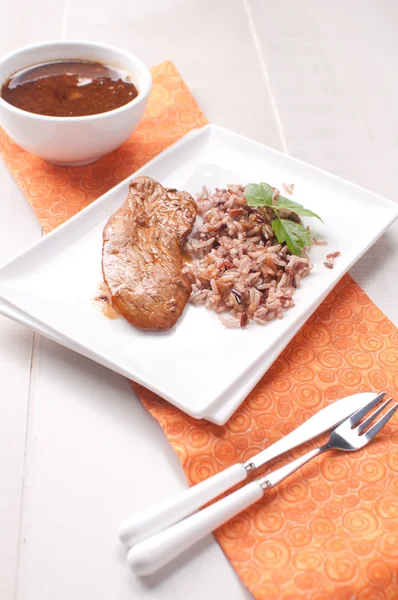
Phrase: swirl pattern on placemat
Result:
[331,530]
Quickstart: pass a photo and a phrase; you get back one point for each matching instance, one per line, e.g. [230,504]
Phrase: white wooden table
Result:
[77,450]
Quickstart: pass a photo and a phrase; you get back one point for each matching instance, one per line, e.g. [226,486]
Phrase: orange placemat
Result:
[331,530]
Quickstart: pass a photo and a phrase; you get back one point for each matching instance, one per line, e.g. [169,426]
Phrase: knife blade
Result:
[322,421]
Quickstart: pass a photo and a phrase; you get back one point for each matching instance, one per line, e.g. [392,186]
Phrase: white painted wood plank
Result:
[331,67]
[23,22]
[20,23]
[18,228]
[209,42]
[96,455]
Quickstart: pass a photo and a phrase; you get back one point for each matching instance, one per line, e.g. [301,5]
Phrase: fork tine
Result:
[357,416]
[374,430]
[372,417]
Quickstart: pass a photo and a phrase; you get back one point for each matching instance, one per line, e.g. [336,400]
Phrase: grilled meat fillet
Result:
[141,257]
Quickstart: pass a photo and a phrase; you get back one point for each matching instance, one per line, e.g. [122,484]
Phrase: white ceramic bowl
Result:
[73,140]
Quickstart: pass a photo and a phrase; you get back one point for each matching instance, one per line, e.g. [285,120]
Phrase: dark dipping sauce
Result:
[69,88]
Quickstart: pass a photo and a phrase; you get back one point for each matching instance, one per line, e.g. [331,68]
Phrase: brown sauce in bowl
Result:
[69,88]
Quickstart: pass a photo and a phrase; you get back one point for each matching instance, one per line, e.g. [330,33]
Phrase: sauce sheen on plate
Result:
[102,303]
[69,88]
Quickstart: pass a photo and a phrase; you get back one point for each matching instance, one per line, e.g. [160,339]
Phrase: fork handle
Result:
[158,517]
[153,553]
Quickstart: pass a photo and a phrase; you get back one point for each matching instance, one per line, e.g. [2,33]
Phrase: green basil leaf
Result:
[293,234]
[259,194]
[282,202]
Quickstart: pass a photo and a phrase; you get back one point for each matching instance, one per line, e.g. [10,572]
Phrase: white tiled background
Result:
[77,451]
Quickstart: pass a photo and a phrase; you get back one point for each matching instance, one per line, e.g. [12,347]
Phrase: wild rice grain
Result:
[241,271]
[244,319]
[332,255]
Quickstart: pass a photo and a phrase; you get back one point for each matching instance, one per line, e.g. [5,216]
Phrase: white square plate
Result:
[200,366]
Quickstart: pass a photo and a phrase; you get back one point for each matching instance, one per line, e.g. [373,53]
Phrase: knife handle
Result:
[155,518]
[155,552]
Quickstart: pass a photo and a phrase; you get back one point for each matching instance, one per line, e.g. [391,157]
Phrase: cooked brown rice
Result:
[241,271]
[329,262]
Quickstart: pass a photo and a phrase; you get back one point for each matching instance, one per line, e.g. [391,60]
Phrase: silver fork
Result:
[156,551]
